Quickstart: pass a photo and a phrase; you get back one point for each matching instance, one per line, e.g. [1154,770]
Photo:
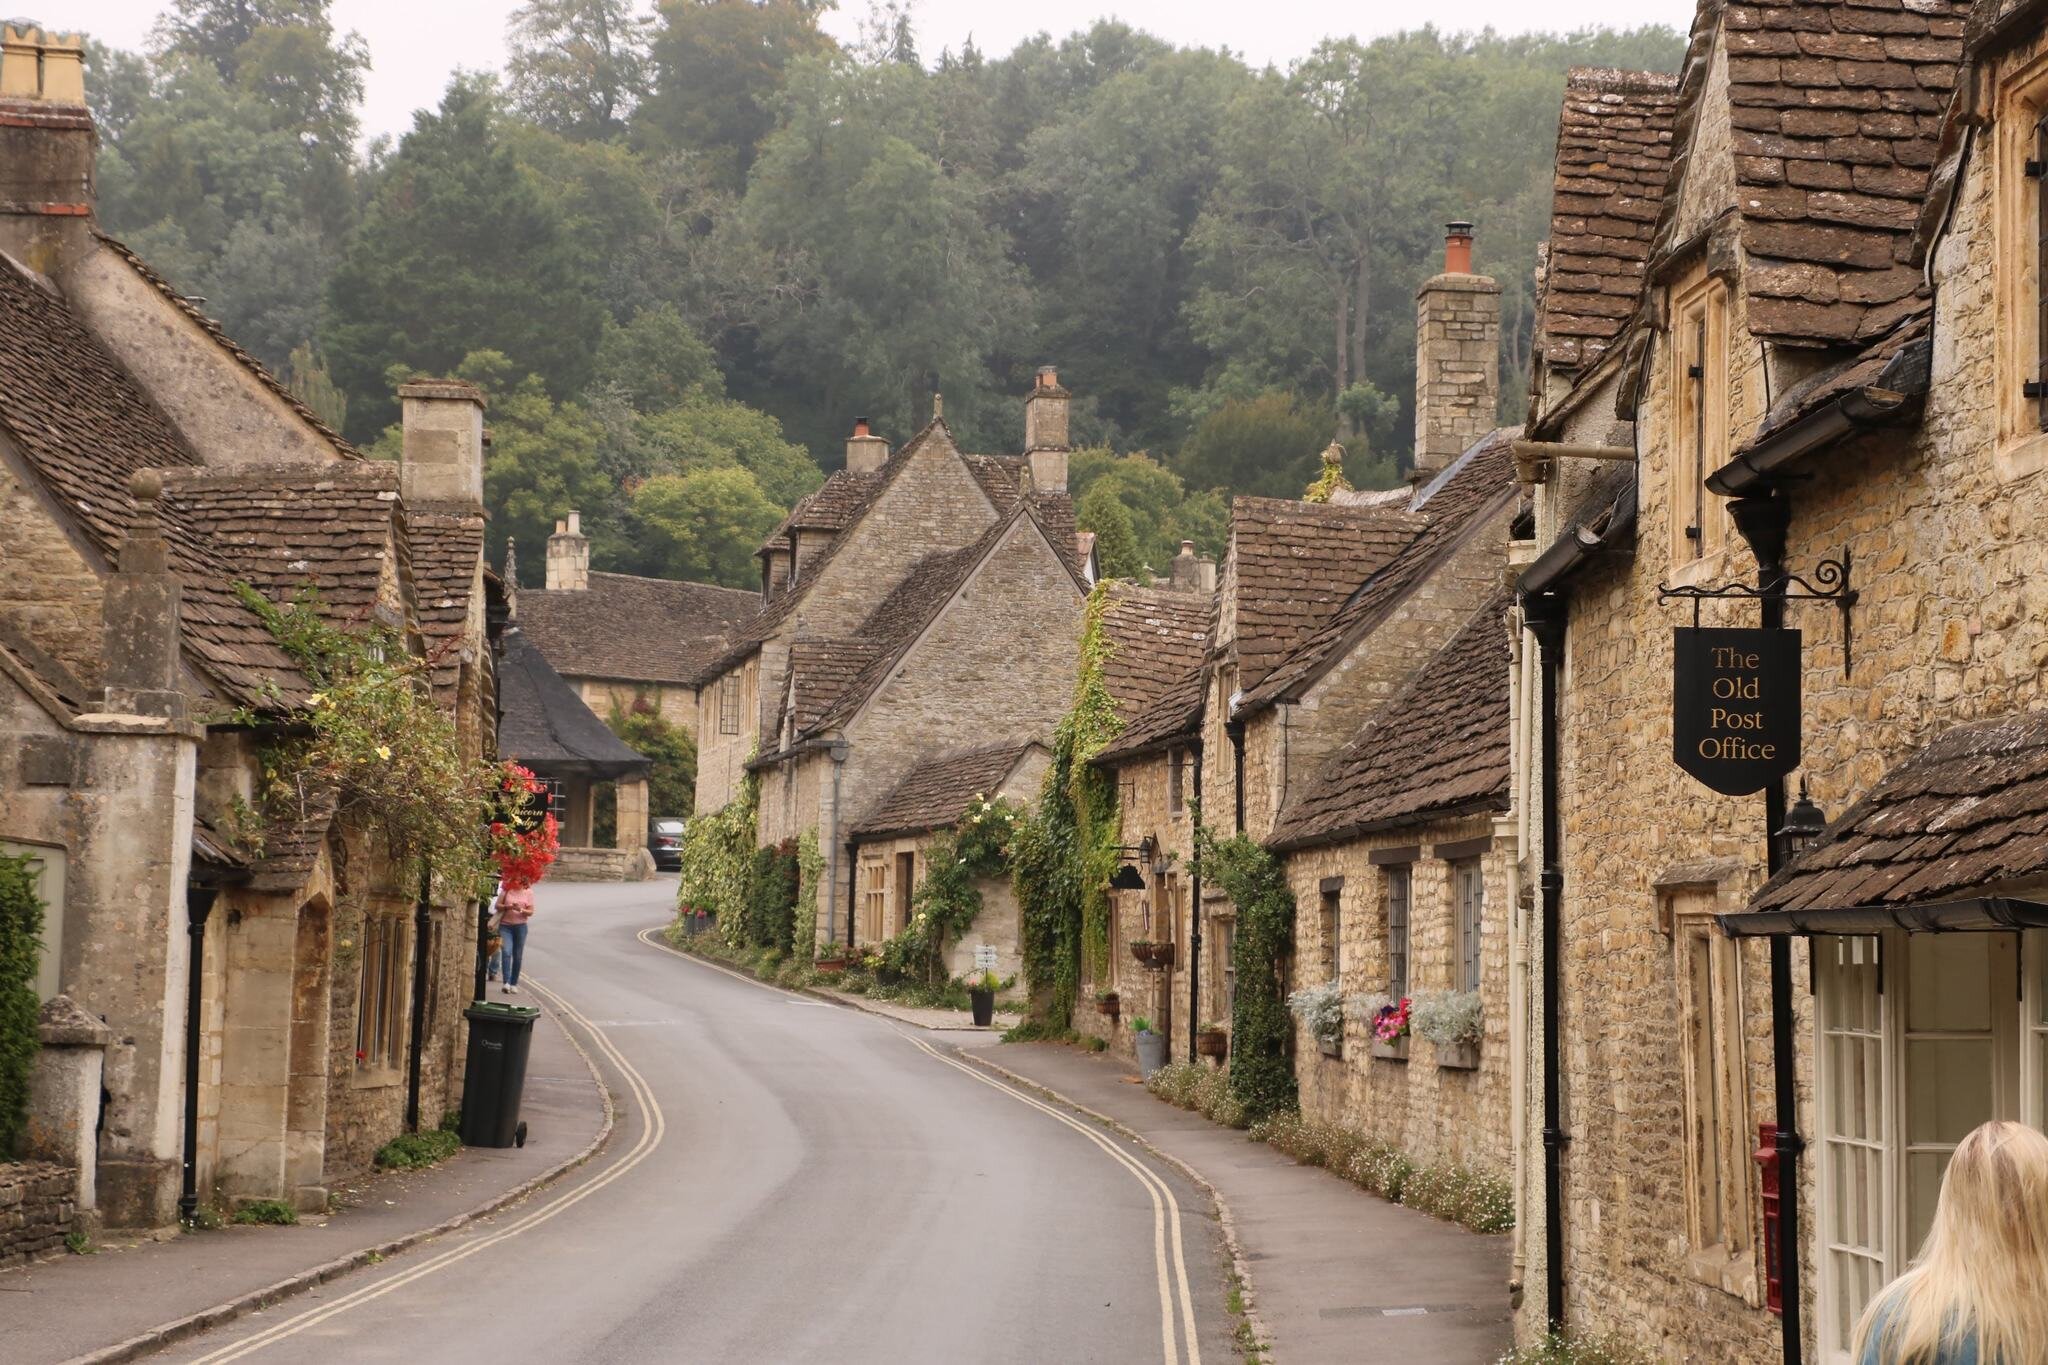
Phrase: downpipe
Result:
[198,905]
[422,931]
[1545,618]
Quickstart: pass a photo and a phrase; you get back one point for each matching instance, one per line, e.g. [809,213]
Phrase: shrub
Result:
[1448,1018]
[1261,1076]
[270,1212]
[21,928]
[1204,1089]
[411,1151]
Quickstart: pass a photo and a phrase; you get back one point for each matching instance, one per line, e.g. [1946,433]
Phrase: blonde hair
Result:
[1983,1273]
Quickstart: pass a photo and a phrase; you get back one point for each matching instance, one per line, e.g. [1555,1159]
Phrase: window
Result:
[1854,1110]
[1226,947]
[2037,171]
[1468,891]
[2036,999]
[874,906]
[381,995]
[1717,1134]
[2019,135]
[1176,781]
[1698,418]
[1332,918]
[906,882]
[1398,887]
[729,704]
[557,797]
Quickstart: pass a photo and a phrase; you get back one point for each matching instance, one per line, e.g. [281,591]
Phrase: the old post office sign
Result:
[1735,706]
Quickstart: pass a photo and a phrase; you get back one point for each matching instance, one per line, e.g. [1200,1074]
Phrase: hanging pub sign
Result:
[1735,706]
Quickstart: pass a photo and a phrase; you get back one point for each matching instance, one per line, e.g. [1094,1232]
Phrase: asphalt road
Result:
[789,1181]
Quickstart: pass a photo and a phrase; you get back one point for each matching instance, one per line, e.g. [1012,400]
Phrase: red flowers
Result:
[1391,1023]
[522,848]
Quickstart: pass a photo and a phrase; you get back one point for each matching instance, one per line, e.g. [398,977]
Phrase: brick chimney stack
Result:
[141,631]
[1045,431]
[441,451]
[1457,357]
[47,145]
[865,451]
[569,556]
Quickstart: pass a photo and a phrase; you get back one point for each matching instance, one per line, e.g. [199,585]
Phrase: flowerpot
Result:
[1330,1047]
[1458,1056]
[1110,1006]
[1212,1043]
[984,1003]
[1153,954]
[830,965]
[1396,1051]
[1151,1051]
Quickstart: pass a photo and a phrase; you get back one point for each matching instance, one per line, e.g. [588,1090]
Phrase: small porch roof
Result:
[545,725]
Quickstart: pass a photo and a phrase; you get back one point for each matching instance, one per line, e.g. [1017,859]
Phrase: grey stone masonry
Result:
[1457,366]
[35,1211]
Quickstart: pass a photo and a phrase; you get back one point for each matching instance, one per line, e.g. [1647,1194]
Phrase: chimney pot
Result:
[1187,549]
[1458,248]
[865,451]
[860,426]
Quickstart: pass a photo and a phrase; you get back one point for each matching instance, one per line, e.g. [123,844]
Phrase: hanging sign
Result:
[1735,706]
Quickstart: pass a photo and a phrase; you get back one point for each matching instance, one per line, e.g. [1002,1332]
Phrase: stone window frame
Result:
[1468,922]
[1330,924]
[729,704]
[1400,930]
[2020,446]
[874,894]
[1177,781]
[1720,1220]
[1697,418]
[383,996]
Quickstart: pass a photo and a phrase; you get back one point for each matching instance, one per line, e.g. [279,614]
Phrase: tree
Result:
[1116,543]
[1267,445]
[577,66]
[672,782]
[459,251]
[703,525]
[656,360]
[718,68]
[718,433]
[306,376]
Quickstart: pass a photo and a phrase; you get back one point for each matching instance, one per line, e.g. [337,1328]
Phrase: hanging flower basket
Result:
[1213,1042]
[1151,954]
[1110,1005]
[522,847]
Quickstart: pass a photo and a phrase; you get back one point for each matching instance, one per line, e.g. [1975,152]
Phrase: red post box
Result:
[1766,1155]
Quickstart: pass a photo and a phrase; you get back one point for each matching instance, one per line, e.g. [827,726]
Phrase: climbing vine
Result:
[948,899]
[810,866]
[718,862]
[1260,1077]
[21,928]
[1066,853]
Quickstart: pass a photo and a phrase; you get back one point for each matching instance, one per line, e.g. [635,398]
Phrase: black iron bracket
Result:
[1829,583]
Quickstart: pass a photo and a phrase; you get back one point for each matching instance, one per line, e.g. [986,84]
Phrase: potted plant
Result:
[1321,1011]
[1212,1040]
[1387,1019]
[832,957]
[1151,1046]
[1152,954]
[1109,1004]
[1455,1021]
[981,995]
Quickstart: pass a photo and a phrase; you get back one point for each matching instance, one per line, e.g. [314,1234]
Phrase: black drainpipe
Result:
[198,905]
[1545,618]
[1764,519]
[1235,729]
[852,874]
[422,925]
[1195,917]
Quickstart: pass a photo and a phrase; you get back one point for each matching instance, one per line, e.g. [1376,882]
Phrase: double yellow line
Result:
[653,1127]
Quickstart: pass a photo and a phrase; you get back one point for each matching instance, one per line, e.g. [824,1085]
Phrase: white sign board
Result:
[985,957]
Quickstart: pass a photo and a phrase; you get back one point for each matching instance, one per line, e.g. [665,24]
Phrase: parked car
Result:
[665,842]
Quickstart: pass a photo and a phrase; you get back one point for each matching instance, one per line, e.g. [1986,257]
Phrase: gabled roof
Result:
[1438,749]
[85,427]
[1613,159]
[1835,110]
[654,630]
[1966,811]
[820,671]
[1294,564]
[545,725]
[829,507]
[1464,494]
[1155,636]
[936,793]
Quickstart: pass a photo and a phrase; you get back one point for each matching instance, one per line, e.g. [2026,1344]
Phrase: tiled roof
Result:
[1002,477]
[227,343]
[1836,110]
[820,671]
[1295,563]
[446,550]
[936,793]
[1968,810]
[1438,748]
[1155,637]
[1896,363]
[655,630]
[1473,486]
[1613,158]
[829,507]
[291,845]
[546,726]
[85,426]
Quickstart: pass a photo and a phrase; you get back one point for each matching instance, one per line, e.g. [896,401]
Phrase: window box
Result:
[1110,1005]
[1396,1051]
[1212,1042]
[1458,1056]
[1330,1047]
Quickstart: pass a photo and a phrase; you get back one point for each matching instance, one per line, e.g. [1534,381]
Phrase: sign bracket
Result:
[1830,583]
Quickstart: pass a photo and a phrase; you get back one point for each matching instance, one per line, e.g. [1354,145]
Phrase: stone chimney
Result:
[569,556]
[865,451]
[1045,431]
[142,637]
[1192,573]
[47,144]
[1457,357]
[441,454]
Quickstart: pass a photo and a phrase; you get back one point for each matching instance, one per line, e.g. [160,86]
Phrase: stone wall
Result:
[49,590]
[722,758]
[673,702]
[1161,911]
[35,1211]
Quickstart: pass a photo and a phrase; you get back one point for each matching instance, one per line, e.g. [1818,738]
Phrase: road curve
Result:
[791,1181]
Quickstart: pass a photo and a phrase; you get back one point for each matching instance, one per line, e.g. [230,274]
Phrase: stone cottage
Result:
[259,1004]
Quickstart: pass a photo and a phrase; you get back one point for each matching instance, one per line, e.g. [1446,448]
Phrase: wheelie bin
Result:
[494,1075]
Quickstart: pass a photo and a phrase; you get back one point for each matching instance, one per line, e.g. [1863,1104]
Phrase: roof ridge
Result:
[1622,80]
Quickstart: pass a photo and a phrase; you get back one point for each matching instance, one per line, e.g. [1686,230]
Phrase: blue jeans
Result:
[514,951]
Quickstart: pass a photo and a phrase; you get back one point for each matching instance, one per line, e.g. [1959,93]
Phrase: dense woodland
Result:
[684,248]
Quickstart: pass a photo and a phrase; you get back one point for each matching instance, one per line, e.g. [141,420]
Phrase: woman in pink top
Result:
[515,908]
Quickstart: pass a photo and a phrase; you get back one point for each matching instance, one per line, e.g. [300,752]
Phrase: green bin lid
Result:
[493,1009]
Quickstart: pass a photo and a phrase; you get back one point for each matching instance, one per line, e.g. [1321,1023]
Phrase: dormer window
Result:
[1698,417]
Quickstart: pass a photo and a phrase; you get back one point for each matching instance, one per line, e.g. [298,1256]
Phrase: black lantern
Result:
[1804,825]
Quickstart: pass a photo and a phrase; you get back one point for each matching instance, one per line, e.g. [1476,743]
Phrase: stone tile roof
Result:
[1293,565]
[653,630]
[546,726]
[820,671]
[1155,637]
[829,507]
[291,845]
[1836,109]
[1613,159]
[1474,486]
[1969,809]
[1439,748]
[85,427]
[936,793]
[446,551]
[227,343]
[1898,363]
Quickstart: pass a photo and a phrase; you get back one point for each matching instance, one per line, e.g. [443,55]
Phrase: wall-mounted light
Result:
[1804,825]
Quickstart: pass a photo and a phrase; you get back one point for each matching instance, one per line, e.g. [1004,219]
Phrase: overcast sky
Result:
[415,44]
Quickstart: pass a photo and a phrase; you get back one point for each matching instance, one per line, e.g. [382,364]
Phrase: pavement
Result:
[1336,1274]
[78,1305]
[937,1020]
[787,1181]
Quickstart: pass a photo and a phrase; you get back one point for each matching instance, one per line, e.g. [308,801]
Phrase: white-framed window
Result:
[381,995]
[1399,886]
[1718,1138]
[1855,1137]
[1176,780]
[1698,417]
[1468,891]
